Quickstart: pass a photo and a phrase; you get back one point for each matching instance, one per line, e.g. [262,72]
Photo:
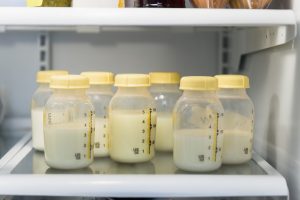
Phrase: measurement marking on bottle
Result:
[77,156]
[215,135]
[149,129]
[136,151]
[90,132]
[201,158]
[49,118]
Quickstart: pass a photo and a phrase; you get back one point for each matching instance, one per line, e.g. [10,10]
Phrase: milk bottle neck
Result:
[199,94]
[101,88]
[70,92]
[164,88]
[43,86]
[140,91]
[235,92]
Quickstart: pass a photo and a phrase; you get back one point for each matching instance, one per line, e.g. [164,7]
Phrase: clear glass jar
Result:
[165,90]
[198,134]
[100,94]
[238,118]
[69,124]
[132,120]
[133,3]
[39,100]
[164,3]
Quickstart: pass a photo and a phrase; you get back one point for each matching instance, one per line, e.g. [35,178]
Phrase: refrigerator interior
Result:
[273,73]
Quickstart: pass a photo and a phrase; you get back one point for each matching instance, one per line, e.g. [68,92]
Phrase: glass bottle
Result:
[165,91]
[238,118]
[198,140]
[38,102]
[133,120]
[69,124]
[100,94]
[164,3]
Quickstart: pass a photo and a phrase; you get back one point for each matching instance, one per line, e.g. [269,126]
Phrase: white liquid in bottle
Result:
[195,150]
[131,137]
[69,145]
[164,133]
[101,137]
[37,116]
[238,138]
[238,147]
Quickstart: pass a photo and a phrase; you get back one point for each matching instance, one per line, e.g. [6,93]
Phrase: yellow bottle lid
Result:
[45,76]
[233,81]
[164,77]
[199,83]
[132,80]
[32,3]
[69,82]
[99,78]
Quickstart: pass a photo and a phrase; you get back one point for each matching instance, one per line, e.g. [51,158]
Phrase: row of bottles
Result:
[79,117]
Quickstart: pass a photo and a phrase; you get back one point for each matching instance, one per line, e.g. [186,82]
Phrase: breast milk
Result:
[238,138]
[101,137]
[237,147]
[132,136]
[164,133]
[69,144]
[37,116]
[195,150]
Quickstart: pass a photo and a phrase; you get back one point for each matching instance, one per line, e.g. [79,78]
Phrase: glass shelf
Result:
[157,178]
[34,163]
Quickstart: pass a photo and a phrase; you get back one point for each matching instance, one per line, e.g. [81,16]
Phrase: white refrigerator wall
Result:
[275,90]
[274,81]
[186,51]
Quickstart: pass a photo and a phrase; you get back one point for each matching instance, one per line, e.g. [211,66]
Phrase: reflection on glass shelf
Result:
[107,166]
[34,163]
[7,141]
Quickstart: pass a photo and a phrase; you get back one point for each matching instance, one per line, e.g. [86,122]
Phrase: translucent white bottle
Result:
[165,90]
[132,120]
[39,100]
[198,130]
[100,94]
[69,124]
[238,118]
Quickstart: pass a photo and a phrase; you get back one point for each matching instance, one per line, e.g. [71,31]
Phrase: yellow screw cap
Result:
[164,78]
[45,76]
[132,80]
[200,83]
[69,82]
[233,81]
[99,78]
[33,3]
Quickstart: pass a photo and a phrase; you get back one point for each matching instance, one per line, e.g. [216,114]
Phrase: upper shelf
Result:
[70,17]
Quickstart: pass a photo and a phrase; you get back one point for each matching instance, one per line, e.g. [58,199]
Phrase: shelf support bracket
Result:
[44,51]
[251,40]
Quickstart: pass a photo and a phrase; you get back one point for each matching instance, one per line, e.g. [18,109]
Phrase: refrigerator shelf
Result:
[248,31]
[76,19]
[27,174]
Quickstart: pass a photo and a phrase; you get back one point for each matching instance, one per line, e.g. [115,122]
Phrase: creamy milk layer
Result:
[131,137]
[37,117]
[238,136]
[237,147]
[101,137]
[69,145]
[164,133]
[195,150]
